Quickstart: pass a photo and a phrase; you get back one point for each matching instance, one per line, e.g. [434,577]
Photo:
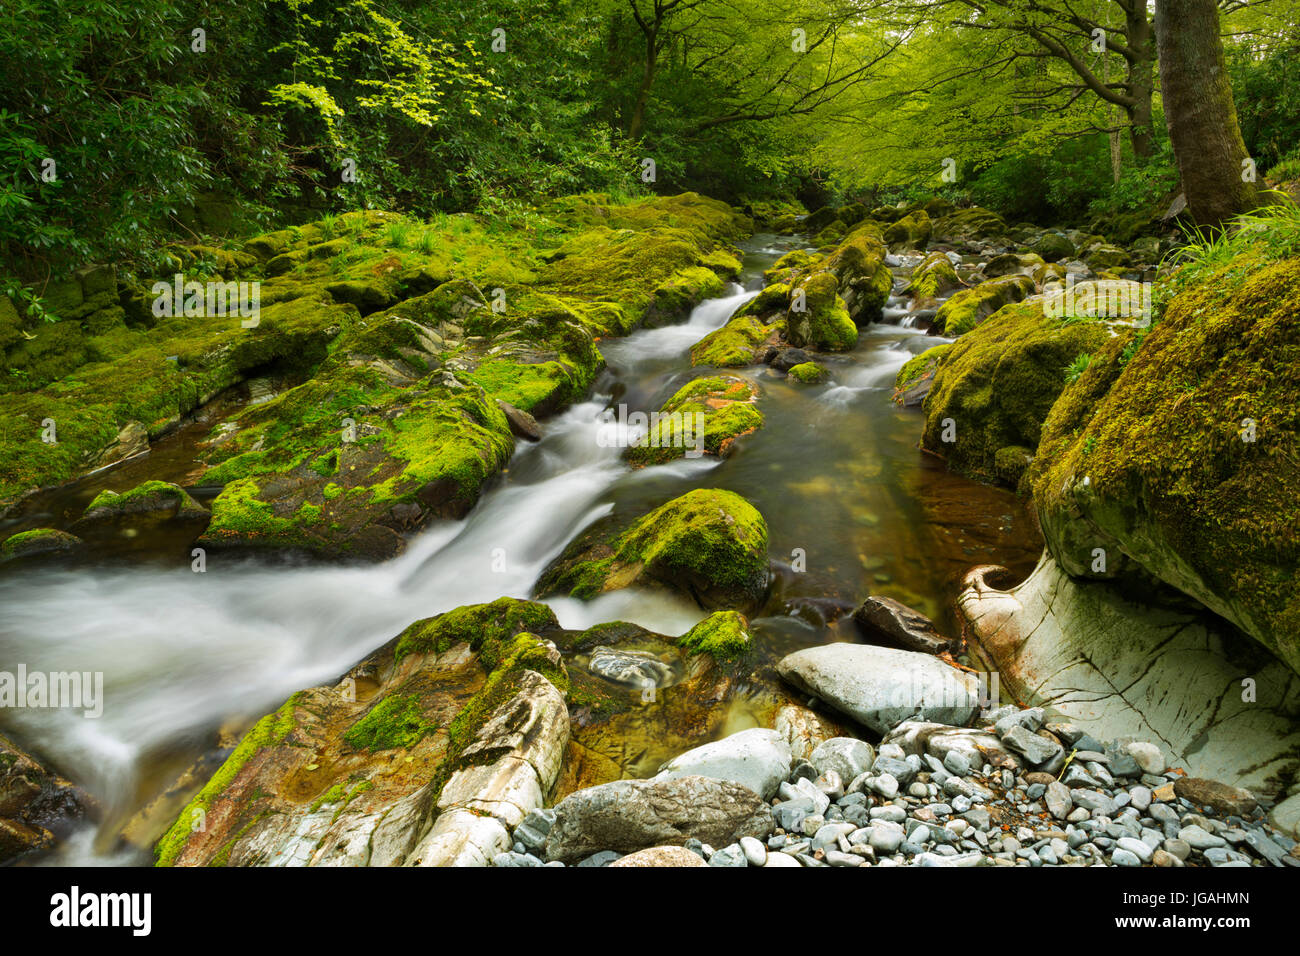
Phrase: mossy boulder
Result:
[1178,456]
[972,223]
[342,466]
[731,346]
[933,276]
[468,726]
[994,387]
[865,281]
[723,635]
[818,317]
[969,307]
[1013,263]
[1053,247]
[709,544]
[913,231]
[149,497]
[808,373]
[38,543]
[1103,257]
[675,297]
[705,416]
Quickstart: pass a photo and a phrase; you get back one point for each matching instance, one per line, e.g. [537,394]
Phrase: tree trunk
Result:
[1141,80]
[1200,113]
[637,124]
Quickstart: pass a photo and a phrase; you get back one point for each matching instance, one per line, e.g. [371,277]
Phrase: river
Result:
[853,507]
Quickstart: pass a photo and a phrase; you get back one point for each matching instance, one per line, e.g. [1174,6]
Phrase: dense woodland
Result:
[126,125]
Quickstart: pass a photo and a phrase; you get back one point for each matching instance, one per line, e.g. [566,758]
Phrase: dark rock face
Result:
[912,629]
[36,805]
[632,815]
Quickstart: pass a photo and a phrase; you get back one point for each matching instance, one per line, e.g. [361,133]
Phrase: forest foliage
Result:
[123,125]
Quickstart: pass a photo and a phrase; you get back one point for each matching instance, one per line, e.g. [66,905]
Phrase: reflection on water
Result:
[836,472]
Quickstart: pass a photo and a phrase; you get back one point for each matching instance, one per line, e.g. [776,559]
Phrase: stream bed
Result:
[852,505]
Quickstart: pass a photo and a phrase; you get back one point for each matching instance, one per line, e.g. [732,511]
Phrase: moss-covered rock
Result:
[1053,247]
[341,466]
[994,387]
[38,542]
[723,635]
[933,276]
[915,378]
[708,544]
[1179,455]
[913,231]
[865,281]
[731,346]
[149,497]
[972,223]
[818,317]
[705,416]
[808,373]
[361,773]
[968,308]
[1013,263]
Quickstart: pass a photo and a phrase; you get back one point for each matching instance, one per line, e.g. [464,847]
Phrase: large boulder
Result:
[881,687]
[1179,456]
[460,736]
[757,758]
[708,544]
[994,387]
[630,815]
[1143,664]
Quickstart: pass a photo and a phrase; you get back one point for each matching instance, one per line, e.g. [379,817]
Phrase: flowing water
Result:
[853,507]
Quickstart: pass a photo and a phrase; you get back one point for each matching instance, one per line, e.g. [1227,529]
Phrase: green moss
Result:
[1145,453]
[969,307]
[919,365]
[271,730]
[396,721]
[824,323]
[723,635]
[809,373]
[934,276]
[997,383]
[475,625]
[731,346]
[37,541]
[709,543]
[147,496]
[726,406]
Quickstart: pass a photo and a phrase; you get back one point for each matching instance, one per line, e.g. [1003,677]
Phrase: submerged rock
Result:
[37,806]
[900,623]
